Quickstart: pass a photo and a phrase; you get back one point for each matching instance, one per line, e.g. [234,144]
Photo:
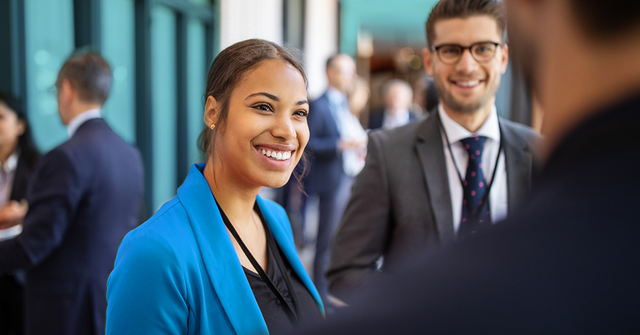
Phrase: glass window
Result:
[196,82]
[49,41]
[118,48]
[163,68]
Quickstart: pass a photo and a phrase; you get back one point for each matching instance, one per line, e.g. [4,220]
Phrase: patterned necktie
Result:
[475,213]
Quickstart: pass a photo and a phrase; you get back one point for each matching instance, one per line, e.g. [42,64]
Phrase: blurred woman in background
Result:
[18,160]
[217,258]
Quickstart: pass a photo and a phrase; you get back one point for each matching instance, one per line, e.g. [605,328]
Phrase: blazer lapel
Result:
[285,242]
[518,161]
[429,148]
[221,262]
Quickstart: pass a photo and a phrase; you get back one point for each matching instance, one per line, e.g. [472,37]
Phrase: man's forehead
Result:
[466,31]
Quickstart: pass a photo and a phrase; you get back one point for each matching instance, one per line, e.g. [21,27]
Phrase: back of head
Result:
[90,76]
[462,9]
[227,71]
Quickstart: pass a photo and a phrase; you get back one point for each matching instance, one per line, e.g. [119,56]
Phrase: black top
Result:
[275,315]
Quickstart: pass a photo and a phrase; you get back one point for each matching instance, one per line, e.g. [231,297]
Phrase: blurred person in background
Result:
[568,261]
[444,178]
[334,135]
[398,98]
[18,158]
[83,198]
[359,96]
[218,258]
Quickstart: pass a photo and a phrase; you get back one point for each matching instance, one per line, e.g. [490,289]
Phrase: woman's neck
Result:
[236,201]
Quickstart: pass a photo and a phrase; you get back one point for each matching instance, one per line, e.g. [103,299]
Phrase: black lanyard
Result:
[455,166]
[271,244]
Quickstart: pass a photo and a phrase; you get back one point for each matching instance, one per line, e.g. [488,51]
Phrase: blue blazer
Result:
[178,273]
[84,197]
[326,169]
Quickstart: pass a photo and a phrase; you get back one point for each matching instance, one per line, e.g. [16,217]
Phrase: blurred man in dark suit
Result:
[444,178]
[568,262]
[329,117]
[83,198]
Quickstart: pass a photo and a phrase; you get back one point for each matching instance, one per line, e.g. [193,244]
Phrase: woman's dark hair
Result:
[226,72]
[26,145]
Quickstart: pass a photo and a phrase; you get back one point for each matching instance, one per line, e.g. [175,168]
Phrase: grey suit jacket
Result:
[402,197]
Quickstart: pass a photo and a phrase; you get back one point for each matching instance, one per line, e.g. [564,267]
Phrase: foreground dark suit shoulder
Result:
[402,197]
[84,197]
[568,263]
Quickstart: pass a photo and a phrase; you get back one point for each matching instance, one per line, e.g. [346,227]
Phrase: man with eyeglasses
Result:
[450,176]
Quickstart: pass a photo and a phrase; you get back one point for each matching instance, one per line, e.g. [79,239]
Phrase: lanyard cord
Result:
[290,313]
[455,166]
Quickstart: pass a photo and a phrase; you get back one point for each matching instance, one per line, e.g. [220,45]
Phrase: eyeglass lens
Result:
[481,52]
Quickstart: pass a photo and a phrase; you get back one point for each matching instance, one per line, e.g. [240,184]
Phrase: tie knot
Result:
[474,145]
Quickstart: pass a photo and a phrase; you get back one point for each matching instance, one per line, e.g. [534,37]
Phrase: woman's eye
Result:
[301,112]
[263,107]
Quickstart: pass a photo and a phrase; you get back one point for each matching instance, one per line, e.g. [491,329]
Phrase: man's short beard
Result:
[448,100]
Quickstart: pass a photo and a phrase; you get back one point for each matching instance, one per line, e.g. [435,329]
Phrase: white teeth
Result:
[277,155]
[468,83]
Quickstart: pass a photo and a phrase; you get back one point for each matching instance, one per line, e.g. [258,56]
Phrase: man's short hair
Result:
[602,19]
[462,9]
[90,76]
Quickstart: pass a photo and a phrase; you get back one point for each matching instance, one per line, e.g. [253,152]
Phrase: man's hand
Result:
[13,213]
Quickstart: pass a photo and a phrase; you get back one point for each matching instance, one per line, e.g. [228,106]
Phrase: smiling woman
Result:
[218,258]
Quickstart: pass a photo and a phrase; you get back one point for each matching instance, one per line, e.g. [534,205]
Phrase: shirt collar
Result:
[456,132]
[336,97]
[12,163]
[81,118]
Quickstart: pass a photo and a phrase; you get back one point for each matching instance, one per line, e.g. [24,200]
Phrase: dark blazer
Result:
[325,169]
[565,264]
[83,198]
[402,196]
[376,120]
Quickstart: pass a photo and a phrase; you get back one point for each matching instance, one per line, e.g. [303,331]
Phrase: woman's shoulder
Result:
[168,228]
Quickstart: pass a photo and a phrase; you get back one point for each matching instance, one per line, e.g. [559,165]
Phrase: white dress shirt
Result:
[7,174]
[350,129]
[81,118]
[456,133]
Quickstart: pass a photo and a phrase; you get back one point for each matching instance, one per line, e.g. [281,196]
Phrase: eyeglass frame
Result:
[435,48]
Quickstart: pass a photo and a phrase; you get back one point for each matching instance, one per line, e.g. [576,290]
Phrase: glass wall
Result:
[163,69]
[49,41]
[118,48]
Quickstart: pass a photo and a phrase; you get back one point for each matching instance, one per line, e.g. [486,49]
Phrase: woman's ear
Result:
[211,112]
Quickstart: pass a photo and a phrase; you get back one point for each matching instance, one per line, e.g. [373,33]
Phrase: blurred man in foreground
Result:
[83,198]
[568,263]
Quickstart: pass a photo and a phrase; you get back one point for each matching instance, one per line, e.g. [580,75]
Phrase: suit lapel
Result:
[286,244]
[221,262]
[518,161]
[429,148]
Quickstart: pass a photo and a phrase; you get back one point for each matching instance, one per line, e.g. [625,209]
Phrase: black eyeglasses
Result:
[451,54]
